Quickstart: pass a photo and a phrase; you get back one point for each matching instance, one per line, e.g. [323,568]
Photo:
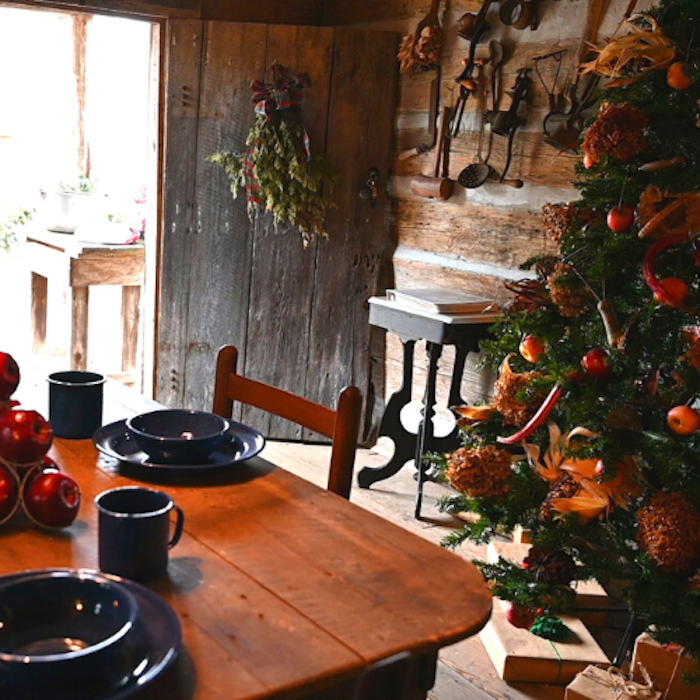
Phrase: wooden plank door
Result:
[298,315]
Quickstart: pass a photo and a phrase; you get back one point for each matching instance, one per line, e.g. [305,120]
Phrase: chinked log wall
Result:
[477,239]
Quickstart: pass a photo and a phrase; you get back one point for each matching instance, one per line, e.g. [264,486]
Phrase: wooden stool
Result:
[78,264]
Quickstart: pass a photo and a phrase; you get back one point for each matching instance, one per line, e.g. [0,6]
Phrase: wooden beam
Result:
[140,9]
[300,12]
[80,29]
[340,13]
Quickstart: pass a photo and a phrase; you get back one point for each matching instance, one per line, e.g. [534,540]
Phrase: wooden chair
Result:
[340,425]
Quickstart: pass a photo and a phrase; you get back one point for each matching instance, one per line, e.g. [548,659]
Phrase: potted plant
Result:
[66,207]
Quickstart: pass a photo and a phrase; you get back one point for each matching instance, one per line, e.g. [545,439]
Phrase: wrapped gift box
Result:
[520,656]
[590,594]
[521,536]
[666,666]
[595,683]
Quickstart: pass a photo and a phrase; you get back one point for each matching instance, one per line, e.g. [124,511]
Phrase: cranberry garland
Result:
[28,476]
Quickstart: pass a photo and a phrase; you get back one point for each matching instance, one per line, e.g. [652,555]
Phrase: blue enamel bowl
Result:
[178,436]
[63,627]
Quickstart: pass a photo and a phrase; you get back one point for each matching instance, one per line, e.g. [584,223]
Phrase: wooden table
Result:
[80,265]
[284,590]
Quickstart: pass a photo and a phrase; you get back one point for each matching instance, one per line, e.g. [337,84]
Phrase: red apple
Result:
[25,436]
[532,348]
[621,218]
[9,492]
[519,616]
[599,469]
[678,76]
[9,376]
[589,161]
[51,498]
[596,362]
[683,420]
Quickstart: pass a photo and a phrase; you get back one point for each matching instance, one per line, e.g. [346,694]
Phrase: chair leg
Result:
[400,677]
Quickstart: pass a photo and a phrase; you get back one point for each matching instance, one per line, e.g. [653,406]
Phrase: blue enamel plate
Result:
[240,443]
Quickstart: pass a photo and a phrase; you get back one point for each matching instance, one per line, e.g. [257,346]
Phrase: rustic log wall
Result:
[477,239]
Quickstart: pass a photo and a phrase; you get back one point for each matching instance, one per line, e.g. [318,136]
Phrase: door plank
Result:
[282,278]
[221,251]
[363,94]
[183,43]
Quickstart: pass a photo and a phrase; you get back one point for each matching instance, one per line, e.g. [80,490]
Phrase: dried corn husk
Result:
[422,52]
[627,58]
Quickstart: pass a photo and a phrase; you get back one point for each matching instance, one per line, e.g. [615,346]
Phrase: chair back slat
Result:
[341,425]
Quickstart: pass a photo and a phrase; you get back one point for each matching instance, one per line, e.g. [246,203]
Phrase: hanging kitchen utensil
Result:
[503,122]
[501,180]
[430,21]
[466,81]
[519,14]
[553,98]
[563,129]
[508,122]
[469,23]
[434,185]
[476,174]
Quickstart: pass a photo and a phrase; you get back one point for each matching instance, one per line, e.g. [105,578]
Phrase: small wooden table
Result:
[283,590]
[80,265]
[412,325]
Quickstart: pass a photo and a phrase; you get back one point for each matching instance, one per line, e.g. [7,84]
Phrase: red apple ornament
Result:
[9,376]
[596,362]
[25,436]
[678,76]
[519,616]
[532,348]
[50,497]
[9,493]
[683,420]
[621,218]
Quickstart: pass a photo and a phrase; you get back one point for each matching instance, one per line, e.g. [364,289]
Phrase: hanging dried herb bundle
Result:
[278,172]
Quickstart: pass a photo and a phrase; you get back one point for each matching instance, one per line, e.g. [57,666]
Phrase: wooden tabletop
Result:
[283,590]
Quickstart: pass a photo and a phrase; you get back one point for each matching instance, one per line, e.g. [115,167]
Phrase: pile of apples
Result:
[28,476]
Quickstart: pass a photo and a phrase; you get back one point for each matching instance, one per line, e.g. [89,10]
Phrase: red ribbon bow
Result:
[284,92]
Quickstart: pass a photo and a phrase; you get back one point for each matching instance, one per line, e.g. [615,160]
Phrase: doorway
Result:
[79,113]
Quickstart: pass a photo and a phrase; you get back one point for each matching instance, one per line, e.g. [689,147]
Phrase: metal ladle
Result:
[476,174]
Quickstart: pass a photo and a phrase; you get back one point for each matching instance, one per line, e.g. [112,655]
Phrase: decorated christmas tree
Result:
[592,440]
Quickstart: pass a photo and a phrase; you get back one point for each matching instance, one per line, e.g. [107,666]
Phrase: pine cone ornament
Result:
[668,530]
[568,292]
[564,487]
[618,132]
[558,219]
[550,566]
[532,294]
[480,472]
[514,397]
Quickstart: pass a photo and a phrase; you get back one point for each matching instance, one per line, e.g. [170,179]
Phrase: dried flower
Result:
[480,472]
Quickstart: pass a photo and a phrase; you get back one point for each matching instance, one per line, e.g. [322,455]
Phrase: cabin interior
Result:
[298,310]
